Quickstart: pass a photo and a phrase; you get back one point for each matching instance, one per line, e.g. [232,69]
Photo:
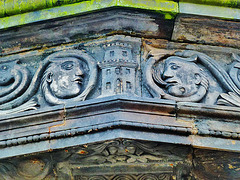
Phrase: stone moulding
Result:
[163,118]
[43,10]
[168,8]
[13,7]
[137,159]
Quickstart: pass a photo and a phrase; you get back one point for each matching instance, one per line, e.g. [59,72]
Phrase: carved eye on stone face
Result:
[67,65]
[4,67]
[174,66]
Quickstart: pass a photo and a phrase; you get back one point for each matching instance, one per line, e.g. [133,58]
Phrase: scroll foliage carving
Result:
[146,176]
[65,76]
[229,81]
[126,151]
[232,98]
[177,78]
[183,77]
[14,82]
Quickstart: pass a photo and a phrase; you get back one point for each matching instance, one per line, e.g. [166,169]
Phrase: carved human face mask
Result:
[66,81]
[182,77]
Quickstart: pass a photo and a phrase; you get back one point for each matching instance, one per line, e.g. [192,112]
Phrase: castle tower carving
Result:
[118,70]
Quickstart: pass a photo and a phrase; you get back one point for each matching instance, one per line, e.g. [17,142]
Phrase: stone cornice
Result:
[15,13]
[167,121]
[83,7]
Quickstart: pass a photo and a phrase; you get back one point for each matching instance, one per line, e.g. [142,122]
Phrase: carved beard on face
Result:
[182,90]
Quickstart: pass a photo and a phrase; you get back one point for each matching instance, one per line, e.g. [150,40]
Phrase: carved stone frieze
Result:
[14,81]
[191,76]
[70,75]
[99,160]
[127,151]
[151,176]
[110,160]
[64,76]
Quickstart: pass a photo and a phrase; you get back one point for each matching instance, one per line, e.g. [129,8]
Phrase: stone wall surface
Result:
[120,94]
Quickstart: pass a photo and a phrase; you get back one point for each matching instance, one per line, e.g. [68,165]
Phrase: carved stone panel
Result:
[157,176]
[63,76]
[191,76]
[109,160]
[69,76]
[118,70]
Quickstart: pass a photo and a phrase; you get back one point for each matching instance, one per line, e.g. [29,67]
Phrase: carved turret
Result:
[118,69]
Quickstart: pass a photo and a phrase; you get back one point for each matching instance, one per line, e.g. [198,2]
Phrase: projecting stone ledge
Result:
[120,117]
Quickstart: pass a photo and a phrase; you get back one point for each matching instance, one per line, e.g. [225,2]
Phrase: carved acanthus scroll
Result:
[14,81]
[177,78]
[125,151]
[183,77]
[66,76]
[230,81]
[232,98]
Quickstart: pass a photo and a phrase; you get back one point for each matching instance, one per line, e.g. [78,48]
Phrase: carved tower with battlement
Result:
[118,70]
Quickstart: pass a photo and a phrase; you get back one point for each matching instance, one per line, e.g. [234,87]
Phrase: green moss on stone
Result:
[160,6]
[225,3]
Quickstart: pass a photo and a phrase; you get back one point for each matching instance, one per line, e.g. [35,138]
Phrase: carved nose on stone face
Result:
[79,72]
[167,74]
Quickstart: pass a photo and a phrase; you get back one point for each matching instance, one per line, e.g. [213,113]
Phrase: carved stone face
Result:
[182,77]
[66,78]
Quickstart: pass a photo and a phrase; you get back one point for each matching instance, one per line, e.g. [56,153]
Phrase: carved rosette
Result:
[25,168]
